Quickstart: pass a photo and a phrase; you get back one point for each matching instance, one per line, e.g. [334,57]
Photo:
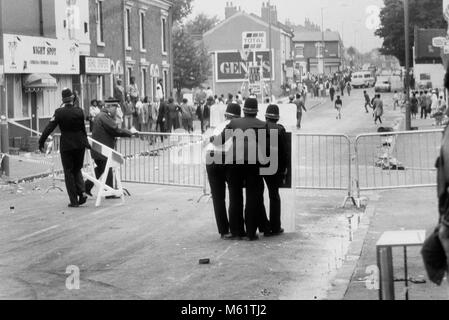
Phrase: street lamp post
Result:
[408,119]
[270,50]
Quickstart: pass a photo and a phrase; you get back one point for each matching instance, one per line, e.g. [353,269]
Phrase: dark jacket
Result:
[162,113]
[70,120]
[283,155]
[244,124]
[105,131]
[203,115]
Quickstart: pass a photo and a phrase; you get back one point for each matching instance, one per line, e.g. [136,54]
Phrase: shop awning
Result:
[39,81]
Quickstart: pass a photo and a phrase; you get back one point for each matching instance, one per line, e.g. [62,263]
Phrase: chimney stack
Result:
[268,10]
[230,10]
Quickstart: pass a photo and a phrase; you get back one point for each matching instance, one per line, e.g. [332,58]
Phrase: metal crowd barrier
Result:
[165,159]
[396,160]
[322,162]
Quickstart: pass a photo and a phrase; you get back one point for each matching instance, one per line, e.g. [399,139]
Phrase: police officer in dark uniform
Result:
[70,120]
[275,181]
[105,130]
[217,173]
[248,174]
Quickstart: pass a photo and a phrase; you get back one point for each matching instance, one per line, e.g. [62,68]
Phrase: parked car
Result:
[383,84]
[363,79]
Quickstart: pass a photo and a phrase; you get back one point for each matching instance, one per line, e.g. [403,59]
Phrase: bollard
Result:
[4,136]
[385,264]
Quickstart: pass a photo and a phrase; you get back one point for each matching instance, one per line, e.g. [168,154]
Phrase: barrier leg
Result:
[4,135]
[385,264]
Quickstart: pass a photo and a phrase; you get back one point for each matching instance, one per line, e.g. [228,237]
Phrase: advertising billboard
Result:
[230,67]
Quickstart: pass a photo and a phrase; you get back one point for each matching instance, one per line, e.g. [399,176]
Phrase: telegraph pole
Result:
[270,52]
[4,134]
[408,118]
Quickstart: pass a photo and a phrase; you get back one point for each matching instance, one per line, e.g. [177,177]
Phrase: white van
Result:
[363,79]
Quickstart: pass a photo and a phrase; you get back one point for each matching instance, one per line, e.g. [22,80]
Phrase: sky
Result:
[356,20]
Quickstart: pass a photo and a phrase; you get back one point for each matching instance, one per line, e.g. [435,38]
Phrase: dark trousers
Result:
[172,124]
[235,185]
[376,117]
[367,104]
[99,170]
[72,162]
[255,214]
[217,182]
[423,112]
[273,183]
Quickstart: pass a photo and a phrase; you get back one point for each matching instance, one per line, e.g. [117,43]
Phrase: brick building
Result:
[128,38]
[308,52]
[231,64]
[40,44]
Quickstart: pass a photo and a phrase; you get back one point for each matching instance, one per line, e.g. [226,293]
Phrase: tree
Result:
[191,60]
[201,24]
[423,14]
[181,9]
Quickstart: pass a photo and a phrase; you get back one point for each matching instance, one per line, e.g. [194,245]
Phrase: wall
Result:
[436,72]
[21,17]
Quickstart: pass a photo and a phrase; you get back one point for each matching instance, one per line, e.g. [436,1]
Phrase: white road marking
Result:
[224,252]
[37,233]
[106,209]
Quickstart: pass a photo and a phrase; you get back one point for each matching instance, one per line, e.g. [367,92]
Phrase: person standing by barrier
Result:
[187,116]
[203,114]
[94,110]
[133,90]
[338,107]
[378,106]
[129,112]
[217,172]
[105,131]
[70,120]
[173,111]
[299,109]
[367,101]
[248,173]
[275,181]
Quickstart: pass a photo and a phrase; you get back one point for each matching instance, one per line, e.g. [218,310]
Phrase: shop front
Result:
[36,70]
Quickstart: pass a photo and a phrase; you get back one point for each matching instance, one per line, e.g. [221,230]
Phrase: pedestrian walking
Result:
[367,101]
[70,120]
[332,93]
[105,132]
[414,105]
[423,104]
[217,172]
[378,106]
[395,100]
[274,182]
[203,114]
[338,107]
[348,88]
[299,109]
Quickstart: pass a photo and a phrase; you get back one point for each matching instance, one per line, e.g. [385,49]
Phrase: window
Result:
[142,31]
[143,76]
[100,23]
[164,35]
[101,88]
[128,28]
[299,50]
[130,73]
[165,73]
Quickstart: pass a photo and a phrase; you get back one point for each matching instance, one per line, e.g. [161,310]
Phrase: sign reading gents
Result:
[232,68]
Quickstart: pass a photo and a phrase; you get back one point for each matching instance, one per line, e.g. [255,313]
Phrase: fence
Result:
[166,159]
[321,161]
[396,160]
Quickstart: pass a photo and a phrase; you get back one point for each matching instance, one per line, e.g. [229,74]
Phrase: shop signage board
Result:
[24,54]
[230,67]
[95,65]
[254,40]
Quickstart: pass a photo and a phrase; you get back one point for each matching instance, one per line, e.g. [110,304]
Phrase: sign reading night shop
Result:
[232,68]
[23,54]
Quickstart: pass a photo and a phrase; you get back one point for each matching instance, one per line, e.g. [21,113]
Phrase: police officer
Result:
[275,181]
[105,130]
[70,120]
[217,173]
[246,173]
